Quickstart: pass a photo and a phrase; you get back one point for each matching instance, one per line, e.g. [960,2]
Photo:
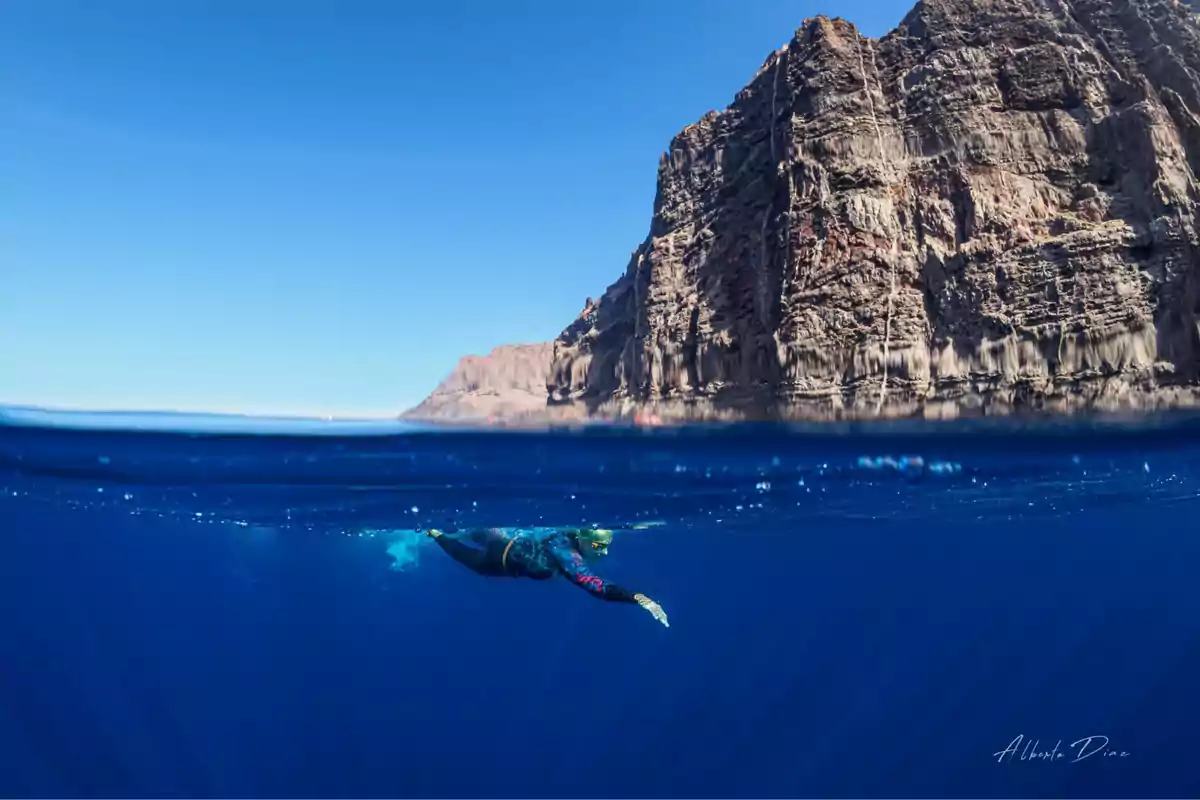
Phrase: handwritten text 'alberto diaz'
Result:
[1094,747]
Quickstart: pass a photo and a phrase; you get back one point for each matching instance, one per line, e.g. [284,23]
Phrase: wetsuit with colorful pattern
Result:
[521,555]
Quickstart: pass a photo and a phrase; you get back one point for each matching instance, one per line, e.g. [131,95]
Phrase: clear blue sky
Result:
[317,207]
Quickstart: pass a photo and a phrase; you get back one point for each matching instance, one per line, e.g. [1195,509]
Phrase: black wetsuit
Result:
[522,555]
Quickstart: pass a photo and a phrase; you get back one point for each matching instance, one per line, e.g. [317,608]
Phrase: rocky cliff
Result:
[993,207]
[508,384]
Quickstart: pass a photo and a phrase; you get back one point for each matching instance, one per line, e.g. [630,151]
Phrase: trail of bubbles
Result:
[377,486]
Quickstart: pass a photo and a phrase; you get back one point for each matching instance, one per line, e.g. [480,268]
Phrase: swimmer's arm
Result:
[571,565]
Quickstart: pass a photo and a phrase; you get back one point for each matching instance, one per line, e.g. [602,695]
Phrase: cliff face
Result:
[993,207]
[507,384]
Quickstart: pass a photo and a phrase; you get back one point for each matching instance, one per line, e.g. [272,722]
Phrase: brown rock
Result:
[507,384]
[992,208]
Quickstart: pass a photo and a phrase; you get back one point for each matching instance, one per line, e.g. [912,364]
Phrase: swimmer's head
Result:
[594,542]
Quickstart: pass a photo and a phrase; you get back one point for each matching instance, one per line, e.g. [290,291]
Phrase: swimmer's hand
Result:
[654,608]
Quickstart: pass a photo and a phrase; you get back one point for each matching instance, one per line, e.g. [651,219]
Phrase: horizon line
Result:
[356,416]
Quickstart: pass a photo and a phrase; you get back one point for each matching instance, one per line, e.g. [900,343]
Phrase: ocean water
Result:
[203,607]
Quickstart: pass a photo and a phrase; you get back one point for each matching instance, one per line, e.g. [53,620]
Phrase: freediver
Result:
[496,552]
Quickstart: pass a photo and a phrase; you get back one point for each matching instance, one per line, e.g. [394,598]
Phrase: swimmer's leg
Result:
[478,559]
[485,537]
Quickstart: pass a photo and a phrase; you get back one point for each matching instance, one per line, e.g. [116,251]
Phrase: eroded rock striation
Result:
[994,207]
[507,384]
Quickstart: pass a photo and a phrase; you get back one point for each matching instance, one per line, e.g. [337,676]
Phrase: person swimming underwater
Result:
[497,553]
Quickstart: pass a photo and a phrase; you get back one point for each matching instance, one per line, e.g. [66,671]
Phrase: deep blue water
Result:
[217,613]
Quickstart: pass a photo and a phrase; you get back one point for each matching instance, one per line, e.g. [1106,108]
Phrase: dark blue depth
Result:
[225,631]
